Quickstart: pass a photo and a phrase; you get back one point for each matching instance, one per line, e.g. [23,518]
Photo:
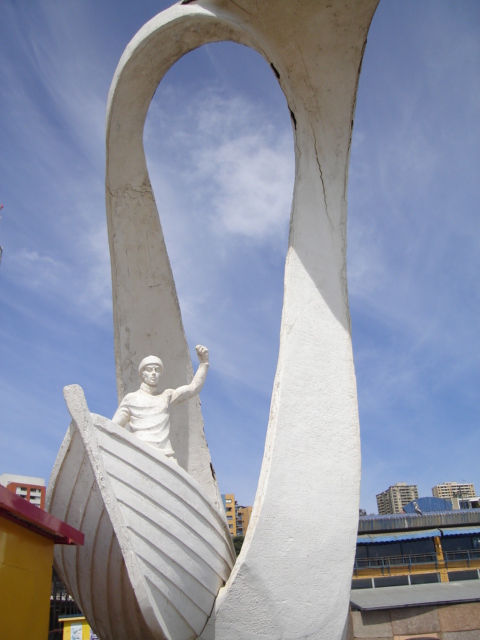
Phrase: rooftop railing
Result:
[452,559]
[384,563]
[461,556]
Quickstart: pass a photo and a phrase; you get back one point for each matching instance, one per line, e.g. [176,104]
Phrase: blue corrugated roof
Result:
[464,531]
[397,537]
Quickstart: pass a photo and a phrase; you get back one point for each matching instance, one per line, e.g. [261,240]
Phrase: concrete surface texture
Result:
[292,579]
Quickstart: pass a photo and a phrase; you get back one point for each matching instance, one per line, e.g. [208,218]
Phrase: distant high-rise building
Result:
[238,517]
[243,518]
[32,489]
[396,497]
[229,504]
[451,490]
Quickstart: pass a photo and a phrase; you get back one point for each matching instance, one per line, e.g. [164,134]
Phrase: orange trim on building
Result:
[29,492]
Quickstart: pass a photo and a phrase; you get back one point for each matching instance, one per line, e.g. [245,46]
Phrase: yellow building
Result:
[27,538]
[416,576]
[229,504]
[238,517]
[396,497]
[450,490]
[243,518]
[76,628]
[411,549]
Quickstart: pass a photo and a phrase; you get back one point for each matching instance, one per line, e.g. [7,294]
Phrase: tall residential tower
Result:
[450,490]
[396,497]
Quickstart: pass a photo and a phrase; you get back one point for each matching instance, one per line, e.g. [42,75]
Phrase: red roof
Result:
[25,514]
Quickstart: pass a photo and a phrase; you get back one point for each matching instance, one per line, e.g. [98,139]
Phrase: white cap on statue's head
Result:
[149,360]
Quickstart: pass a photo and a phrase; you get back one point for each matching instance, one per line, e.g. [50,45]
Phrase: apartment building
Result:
[451,490]
[396,497]
[27,487]
[229,505]
[238,516]
[243,518]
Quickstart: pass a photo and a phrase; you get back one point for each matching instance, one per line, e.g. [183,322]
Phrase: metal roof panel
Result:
[415,595]
[397,537]
[464,531]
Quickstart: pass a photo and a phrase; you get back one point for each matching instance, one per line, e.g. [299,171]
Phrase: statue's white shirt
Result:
[148,414]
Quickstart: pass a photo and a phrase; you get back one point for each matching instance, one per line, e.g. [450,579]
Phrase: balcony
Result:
[462,559]
[414,564]
[395,565]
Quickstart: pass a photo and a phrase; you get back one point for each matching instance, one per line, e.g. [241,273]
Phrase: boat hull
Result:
[156,550]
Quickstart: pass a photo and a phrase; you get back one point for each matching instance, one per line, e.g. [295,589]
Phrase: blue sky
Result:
[219,148]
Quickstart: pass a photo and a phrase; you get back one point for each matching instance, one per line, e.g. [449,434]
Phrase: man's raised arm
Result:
[189,390]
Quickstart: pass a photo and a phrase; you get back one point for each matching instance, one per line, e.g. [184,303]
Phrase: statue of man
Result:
[147,412]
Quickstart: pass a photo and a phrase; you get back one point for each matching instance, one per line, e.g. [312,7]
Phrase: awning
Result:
[416,595]
[398,537]
[464,531]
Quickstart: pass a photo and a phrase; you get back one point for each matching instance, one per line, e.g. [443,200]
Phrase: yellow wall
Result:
[25,582]
[246,513]
[75,622]
[230,511]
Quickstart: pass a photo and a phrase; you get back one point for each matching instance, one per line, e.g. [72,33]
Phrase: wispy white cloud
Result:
[413,250]
[35,270]
[252,184]
[232,158]
[54,209]
[223,179]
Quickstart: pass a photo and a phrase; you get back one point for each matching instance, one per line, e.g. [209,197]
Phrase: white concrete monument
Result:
[292,578]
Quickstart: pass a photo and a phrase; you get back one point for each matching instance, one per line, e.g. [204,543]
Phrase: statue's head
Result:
[150,370]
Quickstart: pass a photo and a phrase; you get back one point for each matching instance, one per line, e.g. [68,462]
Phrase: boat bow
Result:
[157,550]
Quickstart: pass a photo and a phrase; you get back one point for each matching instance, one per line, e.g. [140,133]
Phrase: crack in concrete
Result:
[275,70]
[294,120]
[321,178]
[129,190]
[299,49]
[211,611]
[343,225]
[239,6]
[352,118]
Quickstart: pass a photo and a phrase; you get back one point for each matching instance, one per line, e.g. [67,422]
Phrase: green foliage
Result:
[237,543]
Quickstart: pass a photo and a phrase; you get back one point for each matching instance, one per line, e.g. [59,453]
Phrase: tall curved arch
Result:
[292,578]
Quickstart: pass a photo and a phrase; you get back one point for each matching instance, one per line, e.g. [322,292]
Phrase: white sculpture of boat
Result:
[156,550]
